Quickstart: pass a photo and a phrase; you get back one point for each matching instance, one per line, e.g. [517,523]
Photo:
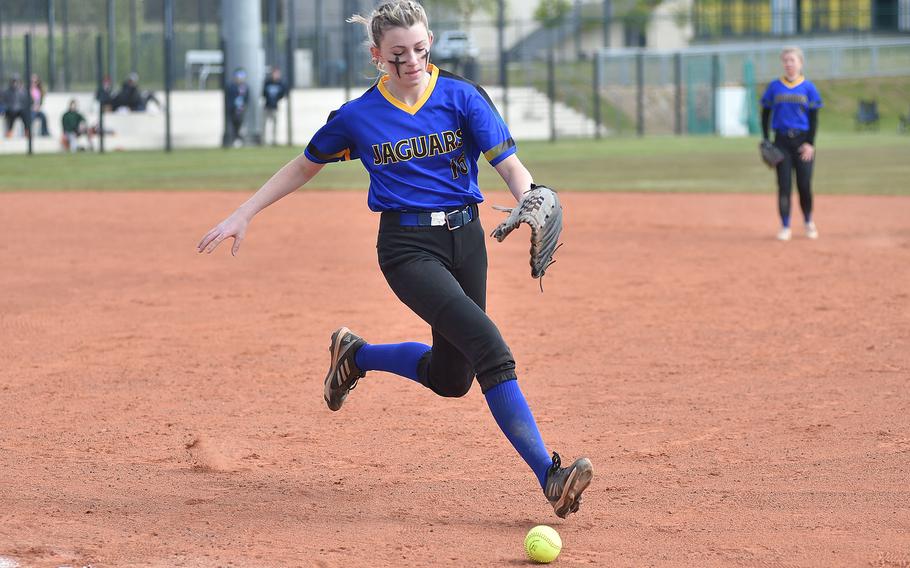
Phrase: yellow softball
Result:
[543,544]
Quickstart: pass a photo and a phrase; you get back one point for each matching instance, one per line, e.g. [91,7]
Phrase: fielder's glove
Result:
[770,154]
[540,209]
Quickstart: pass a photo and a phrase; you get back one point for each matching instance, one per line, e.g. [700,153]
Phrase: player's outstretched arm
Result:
[516,176]
[293,175]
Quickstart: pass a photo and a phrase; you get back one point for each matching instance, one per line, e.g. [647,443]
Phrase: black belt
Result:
[451,219]
[791,133]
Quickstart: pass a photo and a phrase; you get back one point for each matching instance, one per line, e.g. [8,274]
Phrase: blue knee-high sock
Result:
[398,358]
[511,412]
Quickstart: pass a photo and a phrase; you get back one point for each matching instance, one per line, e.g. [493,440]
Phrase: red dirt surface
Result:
[744,401]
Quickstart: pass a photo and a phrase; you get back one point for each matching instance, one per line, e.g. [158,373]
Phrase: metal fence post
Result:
[348,55]
[2,70]
[111,44]
[51,52]
[134,54]
[317,45]
[551,91]
[677,93]
[291,79]
[28,73]
[168,69]
[715,85]
[65,16]
[598,119]
[228,135]
[271,37]
[99,79]
[640,93]
[503,57]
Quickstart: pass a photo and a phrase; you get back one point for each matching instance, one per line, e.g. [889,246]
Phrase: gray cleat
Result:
[343,371]
[565,485]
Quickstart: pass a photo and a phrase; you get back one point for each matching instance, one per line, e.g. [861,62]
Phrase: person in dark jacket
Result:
[238,98]
[131,97]
[15,101]
[273,91]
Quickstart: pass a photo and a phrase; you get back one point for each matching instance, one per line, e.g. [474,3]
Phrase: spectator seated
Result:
[131,98]
[75,126]
[867,114]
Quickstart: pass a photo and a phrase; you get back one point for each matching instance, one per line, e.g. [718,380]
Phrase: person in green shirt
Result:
[74,125]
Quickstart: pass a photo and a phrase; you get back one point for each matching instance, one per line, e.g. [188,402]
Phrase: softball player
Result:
[794,102]
[419,132]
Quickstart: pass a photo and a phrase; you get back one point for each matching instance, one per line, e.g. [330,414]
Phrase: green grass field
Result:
[868,163]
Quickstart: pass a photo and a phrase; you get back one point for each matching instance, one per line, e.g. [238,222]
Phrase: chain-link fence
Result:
[695,90]
[550,79]
[64,34]
[330,50]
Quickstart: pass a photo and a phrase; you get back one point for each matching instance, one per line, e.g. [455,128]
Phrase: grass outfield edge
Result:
[867,164]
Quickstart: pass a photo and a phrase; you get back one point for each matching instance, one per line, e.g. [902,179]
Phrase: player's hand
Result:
[234,226]
[806,152]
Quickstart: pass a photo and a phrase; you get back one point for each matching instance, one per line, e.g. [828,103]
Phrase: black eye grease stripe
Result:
[397,63]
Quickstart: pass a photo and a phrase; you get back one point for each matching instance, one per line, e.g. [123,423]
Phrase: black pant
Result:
[442,276]
[789,144]
[237,125]
[13,115]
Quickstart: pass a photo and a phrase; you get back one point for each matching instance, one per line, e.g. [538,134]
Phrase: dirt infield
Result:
[744,401]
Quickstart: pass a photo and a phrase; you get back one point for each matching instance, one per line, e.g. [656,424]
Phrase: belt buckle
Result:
[451,226]
[438,218]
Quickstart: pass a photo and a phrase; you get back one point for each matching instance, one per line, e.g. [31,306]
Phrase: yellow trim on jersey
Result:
[498,149]
[789,85]
[411,109]
[345,155]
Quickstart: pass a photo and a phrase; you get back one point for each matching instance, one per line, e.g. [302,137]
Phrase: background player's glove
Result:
[540,209]
[770,154]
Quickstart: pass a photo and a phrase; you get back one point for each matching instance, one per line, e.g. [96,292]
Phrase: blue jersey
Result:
[420,157]
[790,103]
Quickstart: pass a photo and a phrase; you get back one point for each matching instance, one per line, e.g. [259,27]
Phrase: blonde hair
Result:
[393,14]
[796,50]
